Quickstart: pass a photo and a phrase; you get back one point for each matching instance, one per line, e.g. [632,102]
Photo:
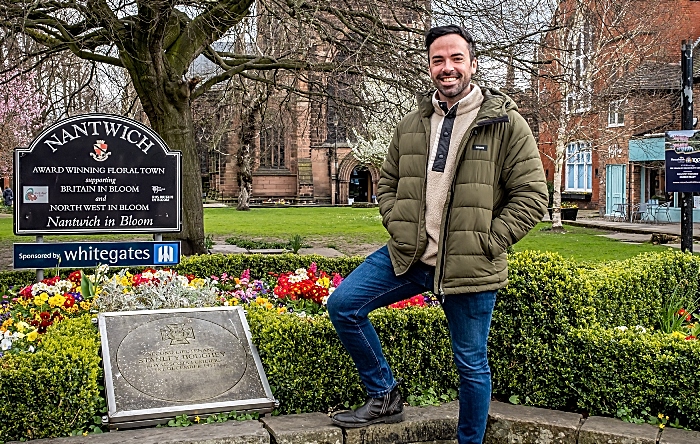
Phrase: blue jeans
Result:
[373,285]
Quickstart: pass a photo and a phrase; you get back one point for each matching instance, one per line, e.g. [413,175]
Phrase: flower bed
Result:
[26,315]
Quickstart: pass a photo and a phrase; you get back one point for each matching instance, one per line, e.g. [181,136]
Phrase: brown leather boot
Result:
[388,409]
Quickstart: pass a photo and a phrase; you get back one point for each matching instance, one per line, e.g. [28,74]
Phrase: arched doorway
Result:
[360,185]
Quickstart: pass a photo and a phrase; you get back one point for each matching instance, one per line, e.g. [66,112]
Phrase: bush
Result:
[652,372]
[551,344]
[632,292]
[261,265]
[545,297]
[310,371]
[55,390]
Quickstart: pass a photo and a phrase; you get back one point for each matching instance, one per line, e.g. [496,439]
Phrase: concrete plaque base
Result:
[163,363]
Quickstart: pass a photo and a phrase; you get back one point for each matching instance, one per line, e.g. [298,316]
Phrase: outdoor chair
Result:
[640,213]
[662,212]
[619,213]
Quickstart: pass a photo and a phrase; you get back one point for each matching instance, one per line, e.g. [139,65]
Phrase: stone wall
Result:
[435,425]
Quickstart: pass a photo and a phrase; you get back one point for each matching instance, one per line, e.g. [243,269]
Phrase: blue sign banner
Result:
[92,254]
[682,161]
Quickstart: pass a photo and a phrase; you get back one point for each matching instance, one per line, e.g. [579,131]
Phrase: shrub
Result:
[310,371]
[632,292]
[654,372]
[545,297]
[55,390]
[261,265]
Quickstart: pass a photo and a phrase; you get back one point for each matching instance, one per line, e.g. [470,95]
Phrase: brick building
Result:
[300,143]
[618,89]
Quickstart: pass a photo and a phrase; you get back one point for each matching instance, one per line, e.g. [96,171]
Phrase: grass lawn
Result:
[363,225]
[344,227]
[582,244]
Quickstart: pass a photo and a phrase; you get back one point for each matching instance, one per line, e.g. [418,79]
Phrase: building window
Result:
[579,167]
[578,100]
[616,114]
[272,147]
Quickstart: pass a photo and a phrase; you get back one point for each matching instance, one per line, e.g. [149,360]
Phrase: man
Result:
[462,181]
[8,196]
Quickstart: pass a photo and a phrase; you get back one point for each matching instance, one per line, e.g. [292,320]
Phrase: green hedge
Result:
[546,295]
[310,371]
[641,371]
[632,292]
[262,264]
[55,390]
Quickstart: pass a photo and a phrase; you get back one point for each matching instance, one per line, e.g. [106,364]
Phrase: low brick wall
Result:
[435,425]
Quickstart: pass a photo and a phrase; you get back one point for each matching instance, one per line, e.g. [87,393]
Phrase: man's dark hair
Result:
[439,31]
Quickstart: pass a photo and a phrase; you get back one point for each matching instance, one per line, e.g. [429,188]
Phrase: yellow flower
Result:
[268,306]
[37,301]
[282,310]
[21,326]
[677,335]
[31,337]
[324,282]
[196,419]
[85,305]
[260,301]
[8,323]
[667,418]
[23,302]
[85,433]
[57,300]
[661,426]
[661,416]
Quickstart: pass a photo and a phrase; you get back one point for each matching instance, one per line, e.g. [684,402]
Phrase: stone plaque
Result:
[163,363]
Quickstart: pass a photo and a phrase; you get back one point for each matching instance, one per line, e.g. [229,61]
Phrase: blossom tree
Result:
[21,108]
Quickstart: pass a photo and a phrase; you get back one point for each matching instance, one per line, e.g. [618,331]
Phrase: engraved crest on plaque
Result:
[177,334]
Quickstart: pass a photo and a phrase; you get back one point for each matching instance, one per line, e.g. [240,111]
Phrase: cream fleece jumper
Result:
[438,183]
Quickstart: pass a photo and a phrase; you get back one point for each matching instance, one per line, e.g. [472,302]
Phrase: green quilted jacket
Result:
[498,194]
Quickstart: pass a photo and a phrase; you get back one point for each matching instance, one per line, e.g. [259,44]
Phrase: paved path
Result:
[591,220]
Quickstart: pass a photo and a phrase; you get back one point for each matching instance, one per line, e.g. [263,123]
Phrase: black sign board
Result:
[682,161]
[97,173]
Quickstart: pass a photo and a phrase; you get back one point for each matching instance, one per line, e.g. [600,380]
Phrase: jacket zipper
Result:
[441,274]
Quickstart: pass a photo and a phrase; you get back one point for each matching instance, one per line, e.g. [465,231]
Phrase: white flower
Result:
[31,349]
[621,328]
[640,329]
[6,342]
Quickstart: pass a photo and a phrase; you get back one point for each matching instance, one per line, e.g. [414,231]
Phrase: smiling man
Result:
[462,181]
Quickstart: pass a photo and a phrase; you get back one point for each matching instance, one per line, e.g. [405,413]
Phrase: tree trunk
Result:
[244,178]
[170,116]
[560,154]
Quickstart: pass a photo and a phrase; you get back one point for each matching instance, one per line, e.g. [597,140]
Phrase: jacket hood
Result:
[496,104]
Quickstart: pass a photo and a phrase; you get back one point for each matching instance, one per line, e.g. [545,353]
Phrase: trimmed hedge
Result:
[641,371]
[310,371]
[632,292]
[55,390]
[262,264]
[545,297]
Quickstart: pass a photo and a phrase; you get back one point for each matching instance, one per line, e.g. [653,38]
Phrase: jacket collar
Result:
[493,109]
